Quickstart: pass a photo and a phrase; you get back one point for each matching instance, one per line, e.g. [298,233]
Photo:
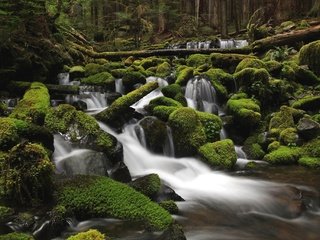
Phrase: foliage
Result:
[279,53]
[283,155]
[88,235]
[212,125]
[16,236]
[93,196]
[309,55]
[196,60]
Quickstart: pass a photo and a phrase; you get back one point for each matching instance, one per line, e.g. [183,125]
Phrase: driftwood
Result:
[290,38]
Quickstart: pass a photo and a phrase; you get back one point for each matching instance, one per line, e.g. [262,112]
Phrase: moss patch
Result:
[283,155]
[88,235]
[308,103]
[212,125]
[250,63]
[16,236]
[148,185]
[227,61]
[103,79]
[184,76]
[196,60]
[309,55]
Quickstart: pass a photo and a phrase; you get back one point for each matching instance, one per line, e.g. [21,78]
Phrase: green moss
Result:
[248,76]
[245,110]
[309,55]
[108,67]
[273,67]
[316,118]
[283,155]
[77,72]
[312,148]
[170,206]
[285,118]
[91,234]
[163,70]
[8,133]
[212,125]
[93,196]
[16,236]
[221,80]
[129,61]
[148,185]
[120,106]
[151,62]
[250,63]
[92,69]
[308,103]
[34,105]
[181,99]
[163,101]
[119,72]
[130,78]
[171,90]
[163,112]
[104,79]
[196,60]
[5,213]
[289,136]
[252,148]
[227,61]
[310,162]
[184,76]
[187,131]
[273,146]
[28,174]
[219,154]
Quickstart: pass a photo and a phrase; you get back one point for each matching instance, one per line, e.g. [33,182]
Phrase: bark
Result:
[224,24]
[291,38]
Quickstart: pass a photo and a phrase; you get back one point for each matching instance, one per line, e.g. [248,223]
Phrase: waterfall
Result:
[201,95]
[198,45]
[119,86]
[168,149]
[64,78]
[226,43]
[240,152]
[241,43]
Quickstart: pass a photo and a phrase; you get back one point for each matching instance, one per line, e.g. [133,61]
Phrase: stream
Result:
[268,203]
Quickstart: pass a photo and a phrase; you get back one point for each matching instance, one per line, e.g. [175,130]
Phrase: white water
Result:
[119,86]
[231,43]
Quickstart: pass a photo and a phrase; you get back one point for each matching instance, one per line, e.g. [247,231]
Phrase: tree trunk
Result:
[224,24]
[197,10]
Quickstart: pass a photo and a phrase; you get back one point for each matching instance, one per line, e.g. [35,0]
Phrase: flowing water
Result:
[218,205]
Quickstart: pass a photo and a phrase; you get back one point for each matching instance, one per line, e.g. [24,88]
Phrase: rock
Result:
[76,72]
[174,232]
[309,55]
[121,173]
[283,155]
[80,105]
[227,62]
[148,185]
[111,97]
[166,193]
[308,129]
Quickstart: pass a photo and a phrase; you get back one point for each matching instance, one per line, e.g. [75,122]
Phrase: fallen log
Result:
[290,38]
[20,87]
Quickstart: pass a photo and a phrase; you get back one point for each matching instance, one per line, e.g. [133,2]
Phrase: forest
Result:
[159,120]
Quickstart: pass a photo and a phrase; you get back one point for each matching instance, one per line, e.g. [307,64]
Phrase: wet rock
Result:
[80,105]
[308,129]
[167,193]
[174,232]
[112,97]
[121,173]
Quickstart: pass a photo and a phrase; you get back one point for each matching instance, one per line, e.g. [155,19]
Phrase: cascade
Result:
[119,86]
[168,149]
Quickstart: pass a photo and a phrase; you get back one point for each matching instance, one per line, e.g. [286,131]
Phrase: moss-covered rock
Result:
[187,131]
[119,72]
[196,60]
[285,118]
[103,79]
[148,185]
[308,128]
[212,125]
[163,70]
[171,90]
[34,104]
[92,69]
[93,196]
[28,174]
[116,114]
[221,81]
[174,232]
[273,67]
[77,72]
[151,62]
[170,206]
[227,61]
[253,148]
[16,236]
[309,55]
[301,74]
[163,101]
[250,63]
[5,214]
[219,154]
[289,136]
[308,103]
[312,148]
[283,155]
[184,76]
[310,162]
[91,234]
[130,78]
[273,146]
[163,112]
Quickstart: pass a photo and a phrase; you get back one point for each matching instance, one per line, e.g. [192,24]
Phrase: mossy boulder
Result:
[151,62]
[274,67]
[27,174]
[227,61]
[250,63]
[171,90]
[312,148]
[174,232]
[212,125]
[163,101]
[287,117]
[283,156]
[119,72]
[170,206]
[148,185]
[91,234]
[16,236]
[184,75]
[34,105]
[187,131]
[219,154]
[77,72]
[163,112]
[309,55]
[273,146]
[310,162]
[130,78]
[92,69]
[93,196]
[289,136]
[301,74]
[103,79]
[308,103]
[253,148]
[163,70]
[118,111]
[223,82]
[196,60]
[308,128]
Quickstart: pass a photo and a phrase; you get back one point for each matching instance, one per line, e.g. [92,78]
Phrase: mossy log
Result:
[20,87]
[305,35]
[157,52]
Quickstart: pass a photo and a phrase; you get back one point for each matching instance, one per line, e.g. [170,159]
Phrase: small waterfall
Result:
[161,82]
[64,78]
[201,95]
[226,43]
[139,132]
[119,86]
[168,149]
[240,152]
[10,102]
[223,133]
[198,45]
[241,43]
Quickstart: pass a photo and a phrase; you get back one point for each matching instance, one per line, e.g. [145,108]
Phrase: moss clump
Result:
[119,72]
[77,72]
[103,79]
[93,196]
[120,107]
[170,206]
[88,235]
[27,174]
[227,61]
[34,105]
[309,55]
[308,103]
[289,136]
[285,118]
[187,131]
[310,162]
[219,154]
[312,148]
[5,213]
[171,90]
[250,63]
[163,70]
[184,76]
[151,62]
[8,133]
[148,185]
[273,67]
[212,125]
[273,146]
[130,78]
[163,101]
[221,80]
[93,68]
[163,112]
[246,111]
[293,72]
[196,60]
[16,236]
[253,148]
[283,155]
